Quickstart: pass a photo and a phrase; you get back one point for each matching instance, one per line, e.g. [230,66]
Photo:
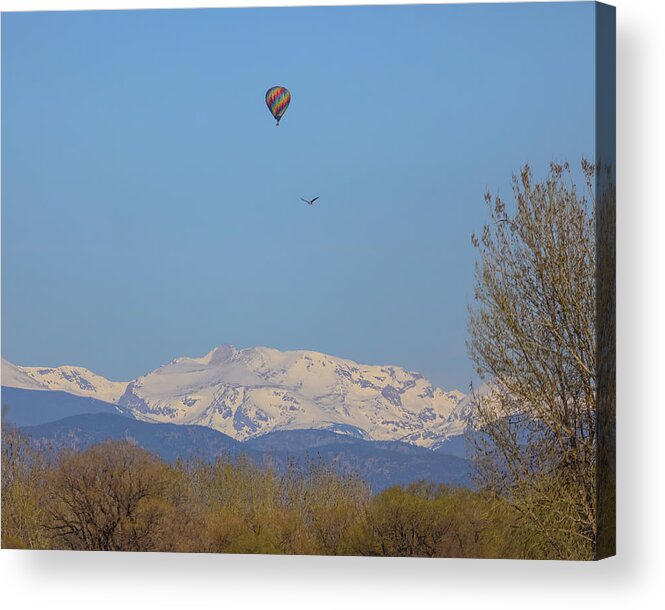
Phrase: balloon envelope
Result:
[277,100]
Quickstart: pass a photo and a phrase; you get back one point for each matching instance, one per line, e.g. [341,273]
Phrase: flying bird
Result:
[309,201]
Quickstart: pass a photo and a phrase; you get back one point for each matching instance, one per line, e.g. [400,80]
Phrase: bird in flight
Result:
[309,201]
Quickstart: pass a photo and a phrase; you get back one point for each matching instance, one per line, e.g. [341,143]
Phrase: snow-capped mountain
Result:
[14,377]
[245,393]
[248,392]
[72,379]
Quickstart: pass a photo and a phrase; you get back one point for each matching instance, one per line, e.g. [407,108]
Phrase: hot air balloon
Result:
[277,100]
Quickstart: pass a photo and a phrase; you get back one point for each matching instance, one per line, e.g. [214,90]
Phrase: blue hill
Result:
[169,441]
[33,407]
[380,463]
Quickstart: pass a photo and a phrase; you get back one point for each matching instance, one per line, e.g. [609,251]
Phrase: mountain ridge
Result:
[75,380]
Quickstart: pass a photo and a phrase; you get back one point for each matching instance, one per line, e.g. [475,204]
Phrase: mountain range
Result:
[389,425]
[246,393]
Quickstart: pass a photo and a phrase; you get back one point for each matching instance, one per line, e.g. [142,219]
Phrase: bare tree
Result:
[532,332]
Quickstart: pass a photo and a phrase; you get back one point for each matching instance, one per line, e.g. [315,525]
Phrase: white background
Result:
[633,579]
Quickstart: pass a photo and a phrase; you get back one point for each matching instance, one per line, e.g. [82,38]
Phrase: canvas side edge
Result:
[605,190]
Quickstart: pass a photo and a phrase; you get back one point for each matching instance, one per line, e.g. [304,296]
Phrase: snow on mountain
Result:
[72,379]
[14,377]
[248,392]
[463,414]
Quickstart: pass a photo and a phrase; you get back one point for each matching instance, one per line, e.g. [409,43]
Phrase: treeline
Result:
[117,496]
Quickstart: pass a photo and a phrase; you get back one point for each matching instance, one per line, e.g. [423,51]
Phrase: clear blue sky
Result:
[150,207]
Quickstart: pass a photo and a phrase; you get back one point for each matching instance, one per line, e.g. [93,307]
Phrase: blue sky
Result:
[150,207]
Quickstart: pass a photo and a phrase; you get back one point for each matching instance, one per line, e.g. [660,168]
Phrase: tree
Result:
[532,333]
[332,502]
[407,523]
[22,489]
[110,497]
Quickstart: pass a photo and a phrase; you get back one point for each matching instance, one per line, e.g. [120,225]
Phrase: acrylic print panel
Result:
[332,281]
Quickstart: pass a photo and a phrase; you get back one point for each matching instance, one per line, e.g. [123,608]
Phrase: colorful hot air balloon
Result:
[277,100]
